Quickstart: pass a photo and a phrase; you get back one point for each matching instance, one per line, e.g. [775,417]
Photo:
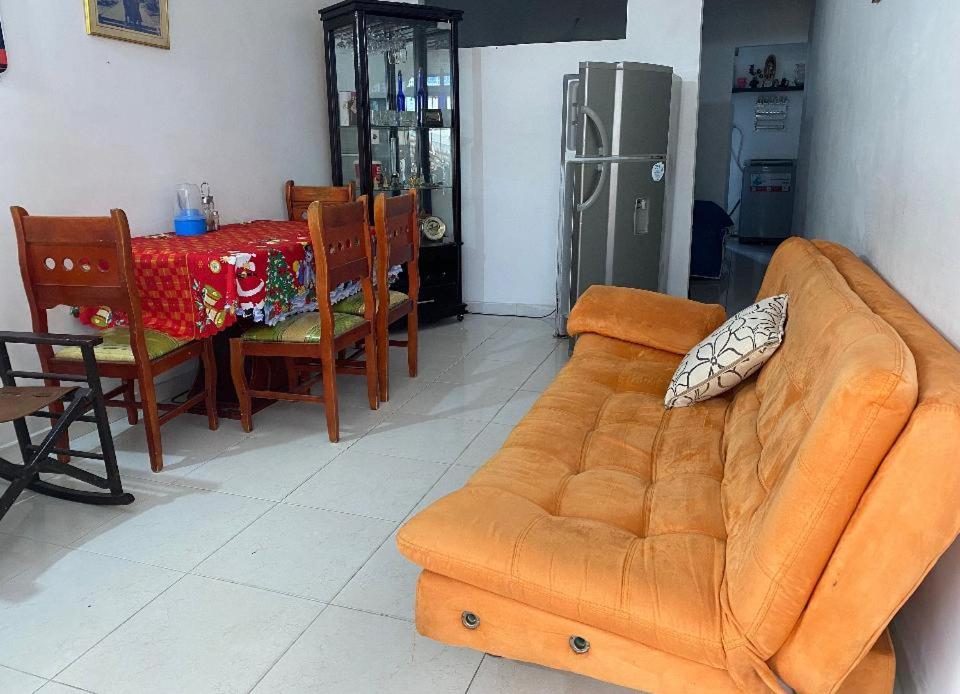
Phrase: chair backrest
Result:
[340,235]
[76,261]
[299,198]
[398,241]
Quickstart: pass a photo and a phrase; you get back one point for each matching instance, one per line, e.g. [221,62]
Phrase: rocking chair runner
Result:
[67,404]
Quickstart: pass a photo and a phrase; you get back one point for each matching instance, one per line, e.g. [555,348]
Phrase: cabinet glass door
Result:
[347,102]
[409,68]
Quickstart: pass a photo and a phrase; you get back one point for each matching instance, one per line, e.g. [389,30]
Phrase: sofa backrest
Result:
[907,518]
[802,443]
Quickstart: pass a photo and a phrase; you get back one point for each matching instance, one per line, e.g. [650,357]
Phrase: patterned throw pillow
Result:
[730,354]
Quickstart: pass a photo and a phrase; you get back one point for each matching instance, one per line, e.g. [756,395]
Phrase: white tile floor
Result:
[266,562]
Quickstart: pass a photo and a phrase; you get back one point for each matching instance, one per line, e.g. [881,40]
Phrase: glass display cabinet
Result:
[392,92]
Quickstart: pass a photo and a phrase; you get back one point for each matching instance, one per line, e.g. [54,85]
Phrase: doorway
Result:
[752,81]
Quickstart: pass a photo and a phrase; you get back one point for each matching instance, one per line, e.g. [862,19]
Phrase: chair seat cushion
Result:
[302,328]
[116,346]
[354,304]
[601,507]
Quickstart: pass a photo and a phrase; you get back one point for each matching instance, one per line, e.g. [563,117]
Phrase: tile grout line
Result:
[45,679]
[299,636]
[164,591]
[100,640]
[346,582]
[475,673]
[397,524]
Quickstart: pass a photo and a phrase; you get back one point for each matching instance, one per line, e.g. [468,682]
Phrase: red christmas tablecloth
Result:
[195,286]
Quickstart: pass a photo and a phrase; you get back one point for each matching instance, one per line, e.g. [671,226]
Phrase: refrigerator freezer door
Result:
[632,104]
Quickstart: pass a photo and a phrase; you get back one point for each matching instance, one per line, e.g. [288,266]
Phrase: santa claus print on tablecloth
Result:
[251,288]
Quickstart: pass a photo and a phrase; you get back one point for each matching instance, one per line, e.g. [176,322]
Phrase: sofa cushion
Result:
[801,445]
[641,317]
[355,306]
[730,354]
[908,506]
[601,506]
[302,328]
[116,346]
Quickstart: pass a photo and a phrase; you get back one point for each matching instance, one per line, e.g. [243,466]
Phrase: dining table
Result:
[194,287]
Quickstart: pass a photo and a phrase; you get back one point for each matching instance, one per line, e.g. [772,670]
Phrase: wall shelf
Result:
[745,90]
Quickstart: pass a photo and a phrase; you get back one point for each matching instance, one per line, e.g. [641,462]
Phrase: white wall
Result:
[728,24]
[882,144]
[511,102]
[89,123]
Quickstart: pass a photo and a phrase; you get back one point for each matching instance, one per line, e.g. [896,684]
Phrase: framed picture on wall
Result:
[139,21]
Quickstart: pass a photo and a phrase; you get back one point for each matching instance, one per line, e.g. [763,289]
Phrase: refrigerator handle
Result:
[591,115]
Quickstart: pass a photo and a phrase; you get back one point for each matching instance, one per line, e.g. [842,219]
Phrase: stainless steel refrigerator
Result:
[616,128]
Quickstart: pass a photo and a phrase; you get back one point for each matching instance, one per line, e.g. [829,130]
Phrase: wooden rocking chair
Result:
[67,404]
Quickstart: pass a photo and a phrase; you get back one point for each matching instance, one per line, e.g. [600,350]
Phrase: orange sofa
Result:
[763,537]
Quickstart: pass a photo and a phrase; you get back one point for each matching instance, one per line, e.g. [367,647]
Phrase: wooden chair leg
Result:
[240,384]
[330,396]
[151,421]
[372,366]
[57,408]
[383,360]
[210,384]
[412,335]
[130,398]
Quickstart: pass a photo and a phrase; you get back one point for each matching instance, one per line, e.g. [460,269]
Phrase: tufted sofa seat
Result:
[687,546]
[593,499]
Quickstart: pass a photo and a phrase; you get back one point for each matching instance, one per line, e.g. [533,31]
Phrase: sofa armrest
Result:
[644,318]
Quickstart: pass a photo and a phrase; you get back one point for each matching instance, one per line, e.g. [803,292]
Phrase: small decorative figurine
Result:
[770,71]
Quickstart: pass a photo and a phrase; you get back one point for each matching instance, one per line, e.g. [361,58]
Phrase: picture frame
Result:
[138,21]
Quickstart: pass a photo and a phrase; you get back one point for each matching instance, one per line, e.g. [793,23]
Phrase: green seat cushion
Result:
[116,346]
[354,304]
[302,328]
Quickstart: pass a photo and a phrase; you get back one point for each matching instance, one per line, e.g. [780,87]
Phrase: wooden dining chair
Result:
[299,198]
[398,243]
[309,342]
[87,261]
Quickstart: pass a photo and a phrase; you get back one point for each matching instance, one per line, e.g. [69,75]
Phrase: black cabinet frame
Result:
[437,259]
